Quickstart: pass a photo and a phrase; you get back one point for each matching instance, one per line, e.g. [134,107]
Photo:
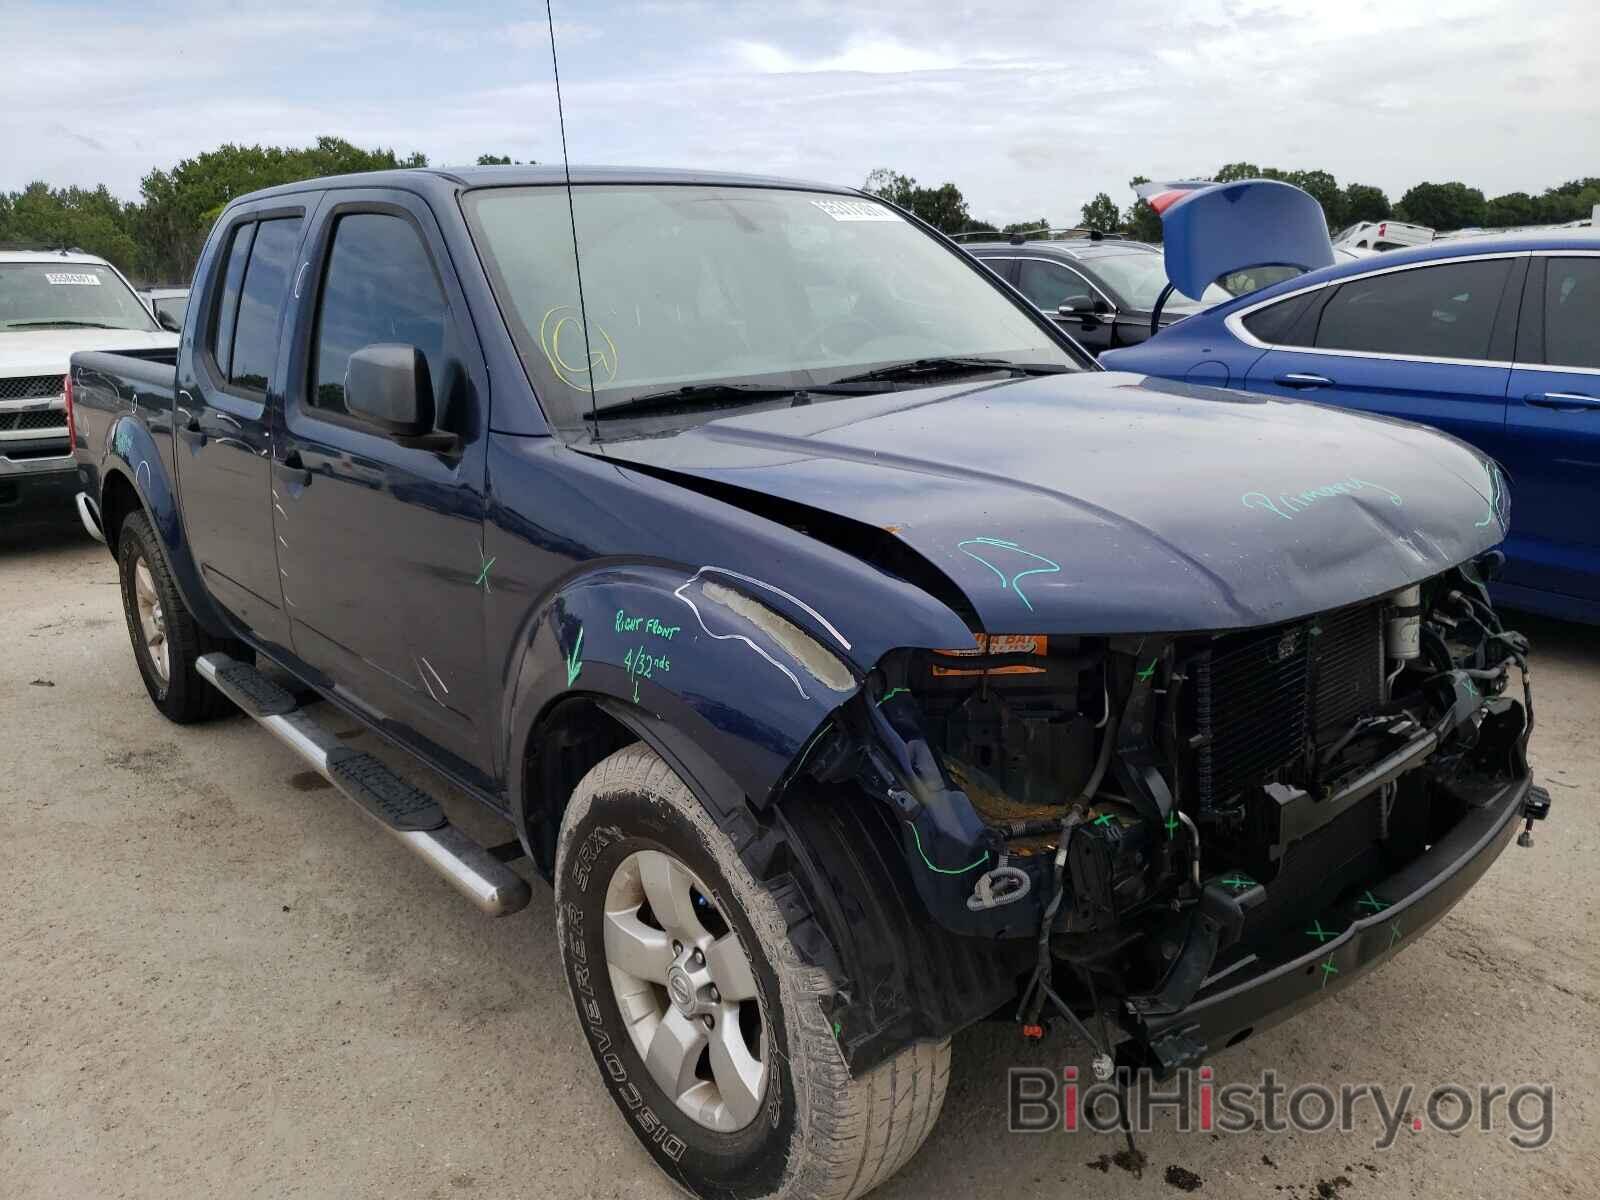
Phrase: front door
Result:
[1553,430]
[381,543]
[1069,299]
[224,444]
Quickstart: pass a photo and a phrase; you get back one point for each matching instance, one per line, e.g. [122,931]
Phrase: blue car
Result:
[1494,339]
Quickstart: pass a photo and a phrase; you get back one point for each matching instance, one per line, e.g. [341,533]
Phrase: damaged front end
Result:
[1164,830]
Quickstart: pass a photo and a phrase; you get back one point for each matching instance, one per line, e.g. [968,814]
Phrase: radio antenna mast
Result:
[572,219]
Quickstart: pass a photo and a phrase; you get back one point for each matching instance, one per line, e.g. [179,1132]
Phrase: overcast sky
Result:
[1029,108]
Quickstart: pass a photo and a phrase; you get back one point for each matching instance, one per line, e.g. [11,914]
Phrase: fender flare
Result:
[131,454]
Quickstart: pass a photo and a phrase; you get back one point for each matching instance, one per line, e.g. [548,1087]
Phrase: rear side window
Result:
[1273,323]
[1446,311]
[1572,312]
[266,281]
[228,300]
[379,287]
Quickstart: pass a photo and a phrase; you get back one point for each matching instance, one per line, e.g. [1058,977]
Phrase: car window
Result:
[66,295]
[1048,285]
[227,311]
[1273,323]
[379,287]
[172,306]
[1572,312]
[1433,312]
[266,279]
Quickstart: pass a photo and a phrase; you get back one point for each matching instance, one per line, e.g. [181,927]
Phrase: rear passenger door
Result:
[381,542]
[1553,429]
[223,432]
[1429,342]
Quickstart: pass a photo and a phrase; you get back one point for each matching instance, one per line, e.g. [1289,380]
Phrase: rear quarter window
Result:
[1273,323]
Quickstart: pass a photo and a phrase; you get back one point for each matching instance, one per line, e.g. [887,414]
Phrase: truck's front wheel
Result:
[166,639]
[708,1030]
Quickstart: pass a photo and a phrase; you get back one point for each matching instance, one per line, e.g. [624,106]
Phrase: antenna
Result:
[572,218]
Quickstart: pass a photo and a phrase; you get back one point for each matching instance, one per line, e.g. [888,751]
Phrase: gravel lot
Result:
[219,979]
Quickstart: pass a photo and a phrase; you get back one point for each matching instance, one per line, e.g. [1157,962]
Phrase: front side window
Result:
[1050,286]
[68,295]
[1445,311]
[1572,312]
[692,285]
[379,287]
[266,282]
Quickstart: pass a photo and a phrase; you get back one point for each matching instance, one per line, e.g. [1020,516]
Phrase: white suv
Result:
[52,303]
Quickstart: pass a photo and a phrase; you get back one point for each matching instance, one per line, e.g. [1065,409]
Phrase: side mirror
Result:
[387,385]
[168,322]
[1074,306]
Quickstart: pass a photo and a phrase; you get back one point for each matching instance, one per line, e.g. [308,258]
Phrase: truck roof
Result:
[51,256]
[429,178]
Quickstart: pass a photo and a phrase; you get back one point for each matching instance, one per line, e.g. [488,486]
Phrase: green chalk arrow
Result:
[574,662]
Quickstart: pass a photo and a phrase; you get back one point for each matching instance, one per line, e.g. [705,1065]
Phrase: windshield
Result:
[689,286]
[1139,277]
[66,295]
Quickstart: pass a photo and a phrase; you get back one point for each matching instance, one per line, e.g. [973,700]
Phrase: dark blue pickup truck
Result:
[857,659]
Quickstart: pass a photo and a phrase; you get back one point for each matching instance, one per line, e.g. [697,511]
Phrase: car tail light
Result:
[66,396]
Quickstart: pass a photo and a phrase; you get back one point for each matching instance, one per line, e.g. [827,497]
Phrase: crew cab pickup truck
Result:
[856,658]
[52,303]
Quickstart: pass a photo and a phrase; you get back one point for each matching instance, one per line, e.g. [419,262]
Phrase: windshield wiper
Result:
[72,324]
[915,368]
[719,395]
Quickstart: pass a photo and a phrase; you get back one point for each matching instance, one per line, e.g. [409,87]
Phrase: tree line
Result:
[1450,205]
[158,237]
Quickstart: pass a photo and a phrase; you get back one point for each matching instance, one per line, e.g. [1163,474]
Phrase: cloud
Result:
[867,53]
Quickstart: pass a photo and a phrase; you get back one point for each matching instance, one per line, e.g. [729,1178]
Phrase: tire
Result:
[816,1132]
[151,604]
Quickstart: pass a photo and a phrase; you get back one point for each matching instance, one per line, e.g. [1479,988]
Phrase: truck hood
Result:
[1106,502]
[46,351]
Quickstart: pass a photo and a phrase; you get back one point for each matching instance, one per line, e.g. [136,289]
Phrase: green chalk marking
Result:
[574,662]
[1394,934]
[1102,820]
[1238,882]
[1172,825]
[1144,675]
[944,870]
[1369,901]
[1318,932]
[1051,566]
[891,694]
[836,1029]
[483,575]
[1328,969]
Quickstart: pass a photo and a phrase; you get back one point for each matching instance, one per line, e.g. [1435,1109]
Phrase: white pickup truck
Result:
[52,303]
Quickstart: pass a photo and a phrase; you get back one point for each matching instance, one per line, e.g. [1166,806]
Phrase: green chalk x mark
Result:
[916,837]
[574,662]
[1102,819]
[1394,933]
[1238,882]
[891,694]
[1318,932]
[836,1029]
[483,575]
[1144,675]
[1328,969]
[1372,902]
[1172,824]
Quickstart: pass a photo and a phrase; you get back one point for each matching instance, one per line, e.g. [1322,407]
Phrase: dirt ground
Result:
[219,979]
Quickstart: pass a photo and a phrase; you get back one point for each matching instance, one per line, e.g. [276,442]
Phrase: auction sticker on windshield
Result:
[61,277]
[855,210]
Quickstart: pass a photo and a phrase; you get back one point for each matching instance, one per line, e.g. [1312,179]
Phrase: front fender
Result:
[704,651]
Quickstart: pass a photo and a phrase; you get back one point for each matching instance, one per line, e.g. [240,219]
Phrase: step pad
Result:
[253,691]
[381,792]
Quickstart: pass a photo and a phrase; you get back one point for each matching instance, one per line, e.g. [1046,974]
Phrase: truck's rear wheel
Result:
[708,1031]
[166,639]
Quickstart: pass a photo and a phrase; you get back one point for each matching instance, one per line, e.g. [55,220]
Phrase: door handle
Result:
[1568,401]
[292,469]
[1296,379]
